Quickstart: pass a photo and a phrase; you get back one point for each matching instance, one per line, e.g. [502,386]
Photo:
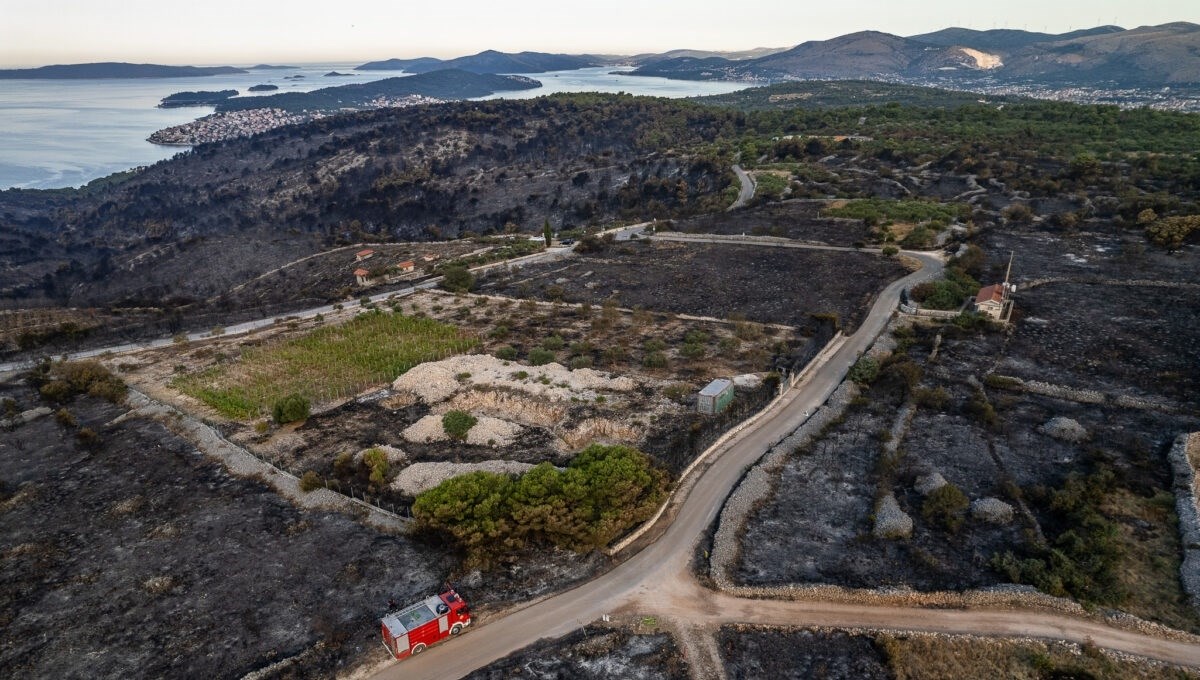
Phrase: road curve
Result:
[658,580]
[746,192]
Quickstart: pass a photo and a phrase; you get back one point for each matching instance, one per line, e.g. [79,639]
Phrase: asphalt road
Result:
[658,581]
[747,190]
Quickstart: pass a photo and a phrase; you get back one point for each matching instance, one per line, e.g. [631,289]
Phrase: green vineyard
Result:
[330,363]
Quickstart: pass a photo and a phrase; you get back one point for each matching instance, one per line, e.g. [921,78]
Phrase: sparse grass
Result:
[329,363]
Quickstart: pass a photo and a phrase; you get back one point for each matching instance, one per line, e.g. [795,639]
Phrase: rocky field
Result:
[751,652]
[763,284]
[937,469]
[594,653]
[795,219]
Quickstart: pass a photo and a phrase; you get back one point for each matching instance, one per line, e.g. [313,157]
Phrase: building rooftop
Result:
[361,272]
[992,293]
[716,387]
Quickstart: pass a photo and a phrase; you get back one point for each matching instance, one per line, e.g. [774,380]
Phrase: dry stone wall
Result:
[1183,458]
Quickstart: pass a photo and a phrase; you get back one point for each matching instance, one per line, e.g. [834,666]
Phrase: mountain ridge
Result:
[114,69]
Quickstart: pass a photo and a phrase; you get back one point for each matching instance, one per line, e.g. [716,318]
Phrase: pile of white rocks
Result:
[1064,429]
[420,477]
[890,520]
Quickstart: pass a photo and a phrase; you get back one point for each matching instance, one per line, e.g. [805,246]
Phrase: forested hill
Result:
[828,94]
[208,219]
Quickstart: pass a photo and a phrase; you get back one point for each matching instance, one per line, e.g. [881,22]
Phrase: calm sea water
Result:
[65,133]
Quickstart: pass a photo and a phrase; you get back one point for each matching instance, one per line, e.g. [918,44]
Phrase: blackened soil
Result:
[141,558]
[593,653]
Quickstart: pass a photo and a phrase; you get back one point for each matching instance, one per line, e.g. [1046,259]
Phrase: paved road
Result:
[658,580]
[747,190]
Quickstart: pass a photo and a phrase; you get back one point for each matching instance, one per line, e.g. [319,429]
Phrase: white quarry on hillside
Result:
[983,60]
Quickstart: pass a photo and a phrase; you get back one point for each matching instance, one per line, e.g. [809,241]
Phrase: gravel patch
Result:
[1064,429]
[487,431]
[929,483]
[437,381]
[890,520]
[992,510]
[420,477]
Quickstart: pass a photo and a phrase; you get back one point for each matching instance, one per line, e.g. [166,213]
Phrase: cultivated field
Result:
[330,363]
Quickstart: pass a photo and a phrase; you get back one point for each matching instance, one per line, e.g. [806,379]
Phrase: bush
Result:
[654,345]
[945,507]
[539,356]
[290,409]
[890,251]
[457,424]
[936,399]
[377,462]
[88,438]
[692,351]
[602,492]
[655,360]
[583,361]
[83,377]
[553,343]
[57,391]
[65,418]
[457,279]
[310,481]
[506,352]
[864,371]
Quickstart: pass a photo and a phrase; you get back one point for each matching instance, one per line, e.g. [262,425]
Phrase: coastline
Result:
[222,126]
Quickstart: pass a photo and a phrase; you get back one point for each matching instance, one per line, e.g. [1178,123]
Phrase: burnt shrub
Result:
[310,481]
[945,507]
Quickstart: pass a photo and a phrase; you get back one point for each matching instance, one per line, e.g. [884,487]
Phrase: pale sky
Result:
[242,32]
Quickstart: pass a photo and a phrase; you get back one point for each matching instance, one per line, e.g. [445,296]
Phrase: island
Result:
[113,69]
[335,74]
[488,61]
[445,84]
[270,67]
[263,88]
[200,98]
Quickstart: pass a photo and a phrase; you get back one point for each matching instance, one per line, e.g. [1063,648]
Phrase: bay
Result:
[66,133]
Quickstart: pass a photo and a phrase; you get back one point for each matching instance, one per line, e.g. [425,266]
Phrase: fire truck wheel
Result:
[456,629]
[418,648]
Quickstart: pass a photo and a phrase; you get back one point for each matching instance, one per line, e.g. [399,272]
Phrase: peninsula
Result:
[200,98]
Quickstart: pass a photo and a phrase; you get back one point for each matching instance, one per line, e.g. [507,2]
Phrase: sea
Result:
[66,133]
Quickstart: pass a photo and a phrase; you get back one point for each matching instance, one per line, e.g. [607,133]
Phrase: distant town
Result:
[223,126]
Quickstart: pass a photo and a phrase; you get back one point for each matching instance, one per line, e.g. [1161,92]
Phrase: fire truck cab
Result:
[414,628]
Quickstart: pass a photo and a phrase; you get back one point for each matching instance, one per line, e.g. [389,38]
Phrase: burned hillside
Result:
[205,220]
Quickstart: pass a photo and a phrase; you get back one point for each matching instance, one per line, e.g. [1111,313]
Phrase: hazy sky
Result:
[36,32]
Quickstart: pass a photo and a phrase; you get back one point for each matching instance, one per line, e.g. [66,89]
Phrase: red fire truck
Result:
[411,629]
